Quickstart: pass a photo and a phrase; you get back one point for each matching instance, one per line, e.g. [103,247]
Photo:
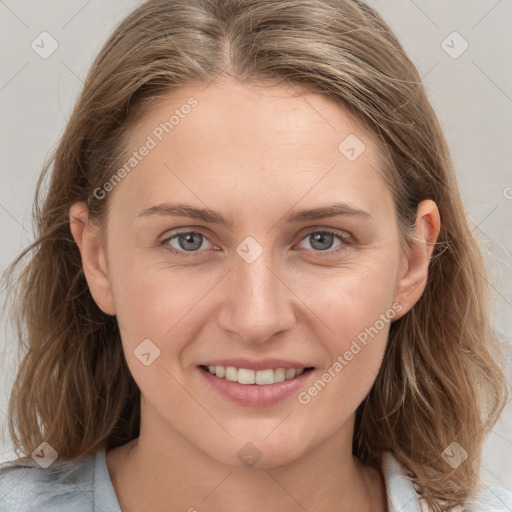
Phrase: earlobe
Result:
[413,279]
[88,240]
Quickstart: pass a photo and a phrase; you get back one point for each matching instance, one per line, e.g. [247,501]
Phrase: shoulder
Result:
[62,486]
[491,499]
[404,496]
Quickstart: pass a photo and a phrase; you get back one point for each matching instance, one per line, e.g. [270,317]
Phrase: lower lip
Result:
[254,394]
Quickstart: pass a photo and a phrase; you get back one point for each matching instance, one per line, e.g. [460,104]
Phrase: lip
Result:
[253,394]
[260,364]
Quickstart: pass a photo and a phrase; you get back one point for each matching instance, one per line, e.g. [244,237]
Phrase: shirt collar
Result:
[402,495]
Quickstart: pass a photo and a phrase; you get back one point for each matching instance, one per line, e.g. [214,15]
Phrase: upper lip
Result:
[259,364]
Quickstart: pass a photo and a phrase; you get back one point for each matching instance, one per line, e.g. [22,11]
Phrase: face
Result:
[252,282]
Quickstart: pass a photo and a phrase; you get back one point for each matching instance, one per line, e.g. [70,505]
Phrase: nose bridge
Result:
[256,281]
[258,305]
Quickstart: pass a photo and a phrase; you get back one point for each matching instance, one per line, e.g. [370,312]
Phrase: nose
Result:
[259,304]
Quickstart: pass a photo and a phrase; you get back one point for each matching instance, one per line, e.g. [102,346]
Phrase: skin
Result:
[254,154]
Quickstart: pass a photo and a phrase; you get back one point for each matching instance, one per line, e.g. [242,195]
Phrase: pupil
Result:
[189,239]
[321,236]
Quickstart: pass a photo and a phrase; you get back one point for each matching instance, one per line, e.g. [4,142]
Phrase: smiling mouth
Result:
[255,377]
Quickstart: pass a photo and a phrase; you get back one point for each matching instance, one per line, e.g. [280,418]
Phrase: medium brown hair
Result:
[441,379]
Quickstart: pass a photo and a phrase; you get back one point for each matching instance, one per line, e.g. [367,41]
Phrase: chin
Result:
[261,451]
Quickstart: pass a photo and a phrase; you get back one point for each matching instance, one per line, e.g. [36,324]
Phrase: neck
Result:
[162,471]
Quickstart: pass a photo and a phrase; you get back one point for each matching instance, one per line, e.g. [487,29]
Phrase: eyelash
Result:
[347,240]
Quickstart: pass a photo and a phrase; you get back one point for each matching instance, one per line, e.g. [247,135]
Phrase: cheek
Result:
[145,291]
[159,303]
[350,299]
[155,311]
[355,344]
[353,309]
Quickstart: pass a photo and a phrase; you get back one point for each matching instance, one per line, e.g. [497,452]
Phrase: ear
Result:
[88,240]
[414,268]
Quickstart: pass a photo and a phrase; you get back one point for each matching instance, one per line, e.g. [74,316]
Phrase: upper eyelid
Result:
[342,234]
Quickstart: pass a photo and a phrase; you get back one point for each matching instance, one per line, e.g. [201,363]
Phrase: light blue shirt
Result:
[85,486]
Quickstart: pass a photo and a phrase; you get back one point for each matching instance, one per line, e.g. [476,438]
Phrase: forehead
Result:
[253,141]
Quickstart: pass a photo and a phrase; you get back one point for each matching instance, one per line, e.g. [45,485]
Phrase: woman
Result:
[194,343]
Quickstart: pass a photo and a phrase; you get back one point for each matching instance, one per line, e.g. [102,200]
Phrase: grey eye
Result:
[321,240]
[189,241]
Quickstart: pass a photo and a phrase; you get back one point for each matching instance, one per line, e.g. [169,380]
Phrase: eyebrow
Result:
[212,216]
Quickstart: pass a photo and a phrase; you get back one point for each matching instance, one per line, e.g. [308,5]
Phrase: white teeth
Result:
[231,373]
[246,376]
[260,377]
[263,377]
[289,373]
[279,375]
